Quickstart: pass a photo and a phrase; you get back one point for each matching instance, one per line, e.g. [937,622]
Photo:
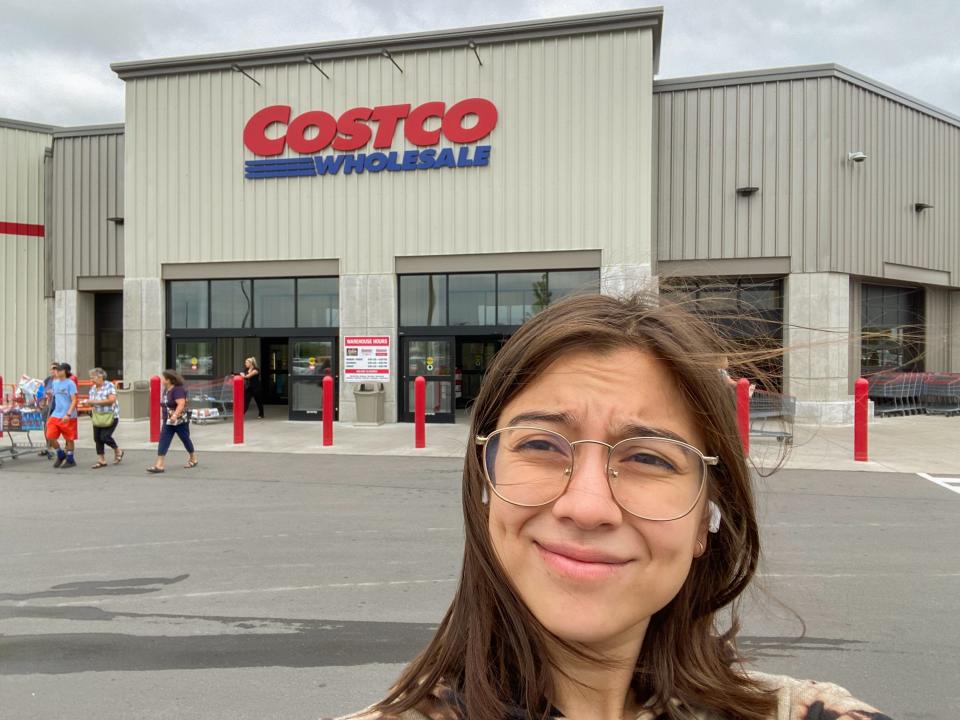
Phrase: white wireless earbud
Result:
[714,524]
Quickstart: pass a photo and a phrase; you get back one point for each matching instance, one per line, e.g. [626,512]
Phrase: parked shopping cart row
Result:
[905,393]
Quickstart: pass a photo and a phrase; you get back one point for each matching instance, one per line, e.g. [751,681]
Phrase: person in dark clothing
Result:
[251,386]
[175,421]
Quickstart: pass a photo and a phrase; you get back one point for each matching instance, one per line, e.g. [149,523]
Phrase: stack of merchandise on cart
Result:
[19,417]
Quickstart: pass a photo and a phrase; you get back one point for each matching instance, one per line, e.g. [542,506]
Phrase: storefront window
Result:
[188,304]
[423,300]
[193,358]
[231,304]
[318,302]
[892,329]
[570,282]
[473,299]
[273,303]
[520,296]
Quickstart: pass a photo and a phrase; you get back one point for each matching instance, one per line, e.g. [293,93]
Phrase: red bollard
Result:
[238,405]
[155,409]
[328,410]
[860,405]
[420,412]
[743,413]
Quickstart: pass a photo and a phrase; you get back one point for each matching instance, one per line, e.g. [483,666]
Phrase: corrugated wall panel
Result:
[87,189]
[912,157]
[712,140]
[791,139]
[23,318]
[570,165]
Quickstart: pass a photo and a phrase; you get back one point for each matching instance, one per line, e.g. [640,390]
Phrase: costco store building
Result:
[422,195]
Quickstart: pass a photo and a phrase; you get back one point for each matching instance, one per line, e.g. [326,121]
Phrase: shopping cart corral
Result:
[772,415]
[210,400]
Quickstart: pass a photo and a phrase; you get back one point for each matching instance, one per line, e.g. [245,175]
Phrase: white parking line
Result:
[950,483]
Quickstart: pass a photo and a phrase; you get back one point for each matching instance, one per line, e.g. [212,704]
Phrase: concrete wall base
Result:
[73,330]
[144,349]
[839,412]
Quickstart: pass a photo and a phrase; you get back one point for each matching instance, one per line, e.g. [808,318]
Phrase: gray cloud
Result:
[54,61]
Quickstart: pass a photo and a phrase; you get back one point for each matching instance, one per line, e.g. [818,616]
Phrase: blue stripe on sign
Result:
[279,167]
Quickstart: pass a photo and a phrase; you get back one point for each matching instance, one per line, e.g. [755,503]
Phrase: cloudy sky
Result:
[55,54]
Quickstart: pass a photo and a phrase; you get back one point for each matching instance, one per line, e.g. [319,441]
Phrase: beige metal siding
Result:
[791,139]
[912,157]
[22,309]
[711,141]
[937,320]
[569,170]
[87,189]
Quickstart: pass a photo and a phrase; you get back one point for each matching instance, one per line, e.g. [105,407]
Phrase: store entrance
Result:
[311,359]
[275,370]
[474,355]
[432,358]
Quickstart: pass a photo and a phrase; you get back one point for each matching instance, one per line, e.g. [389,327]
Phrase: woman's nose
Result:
[587,500]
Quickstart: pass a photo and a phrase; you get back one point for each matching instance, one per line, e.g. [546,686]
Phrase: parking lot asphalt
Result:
[274,585]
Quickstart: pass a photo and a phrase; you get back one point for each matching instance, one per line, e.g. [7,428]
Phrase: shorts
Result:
[61,427]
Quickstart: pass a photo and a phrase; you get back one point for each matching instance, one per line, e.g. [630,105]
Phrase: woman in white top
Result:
[103,400]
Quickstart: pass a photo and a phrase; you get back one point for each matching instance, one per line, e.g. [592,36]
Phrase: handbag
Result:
[102,418]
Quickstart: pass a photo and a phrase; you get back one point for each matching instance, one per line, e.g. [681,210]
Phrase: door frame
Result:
[292,378]
[405,411]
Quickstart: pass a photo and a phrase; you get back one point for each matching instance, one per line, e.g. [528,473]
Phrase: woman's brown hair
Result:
[173,377]
[489,650]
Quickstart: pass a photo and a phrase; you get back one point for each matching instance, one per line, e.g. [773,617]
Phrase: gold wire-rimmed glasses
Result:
[652,478]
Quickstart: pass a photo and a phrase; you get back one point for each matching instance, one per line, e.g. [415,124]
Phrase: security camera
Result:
[857,156]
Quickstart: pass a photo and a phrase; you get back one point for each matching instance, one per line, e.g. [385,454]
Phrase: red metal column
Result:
[743,413]
[328,410]
[420,412]
[238,405]
[155,409]
[860,405]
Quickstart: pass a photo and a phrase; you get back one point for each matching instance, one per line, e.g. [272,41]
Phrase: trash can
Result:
[134,401]
[370,398]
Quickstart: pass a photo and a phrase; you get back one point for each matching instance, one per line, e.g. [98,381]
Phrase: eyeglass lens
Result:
[653,478]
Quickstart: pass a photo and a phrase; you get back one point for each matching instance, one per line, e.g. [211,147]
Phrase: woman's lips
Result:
[580,564]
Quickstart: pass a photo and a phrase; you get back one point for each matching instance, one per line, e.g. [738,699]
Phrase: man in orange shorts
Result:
[63,418]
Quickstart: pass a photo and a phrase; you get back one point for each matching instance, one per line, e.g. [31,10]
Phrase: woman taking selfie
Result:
[609,516]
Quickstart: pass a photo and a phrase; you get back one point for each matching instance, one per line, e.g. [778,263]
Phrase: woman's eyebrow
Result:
[557,418]
[630,430]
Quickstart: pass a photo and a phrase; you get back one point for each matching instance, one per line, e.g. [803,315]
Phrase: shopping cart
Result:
[210,400]
[897,393]
[772,415]
[16,424]
[941,394]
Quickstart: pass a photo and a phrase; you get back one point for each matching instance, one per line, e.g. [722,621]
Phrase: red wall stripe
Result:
[9,228]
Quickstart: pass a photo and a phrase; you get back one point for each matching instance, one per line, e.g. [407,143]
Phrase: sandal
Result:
[191,464]
[118,458]
[98,465]
[154,469]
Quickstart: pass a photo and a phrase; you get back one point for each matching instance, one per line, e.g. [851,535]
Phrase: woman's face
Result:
[247,365]
[645,562]
[96,379]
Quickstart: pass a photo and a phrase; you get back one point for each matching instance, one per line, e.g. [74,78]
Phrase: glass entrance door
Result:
[274,370]
[311,359]
[474,355]
[433,359]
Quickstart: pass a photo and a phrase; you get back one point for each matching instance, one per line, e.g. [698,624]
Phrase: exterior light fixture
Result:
[386,53]
[747,191]
[314,63]
[237,68]
[857,156]
[116,220]
[920,207]
[473,46]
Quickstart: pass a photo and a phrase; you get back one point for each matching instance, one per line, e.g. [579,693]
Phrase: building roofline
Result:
[29,126]
[803,72]
[545,27]
[88,130]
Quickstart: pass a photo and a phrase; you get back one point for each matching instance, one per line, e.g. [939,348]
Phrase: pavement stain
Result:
[99,588]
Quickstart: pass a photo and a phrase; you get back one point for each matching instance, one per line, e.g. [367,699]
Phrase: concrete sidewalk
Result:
[897,444]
